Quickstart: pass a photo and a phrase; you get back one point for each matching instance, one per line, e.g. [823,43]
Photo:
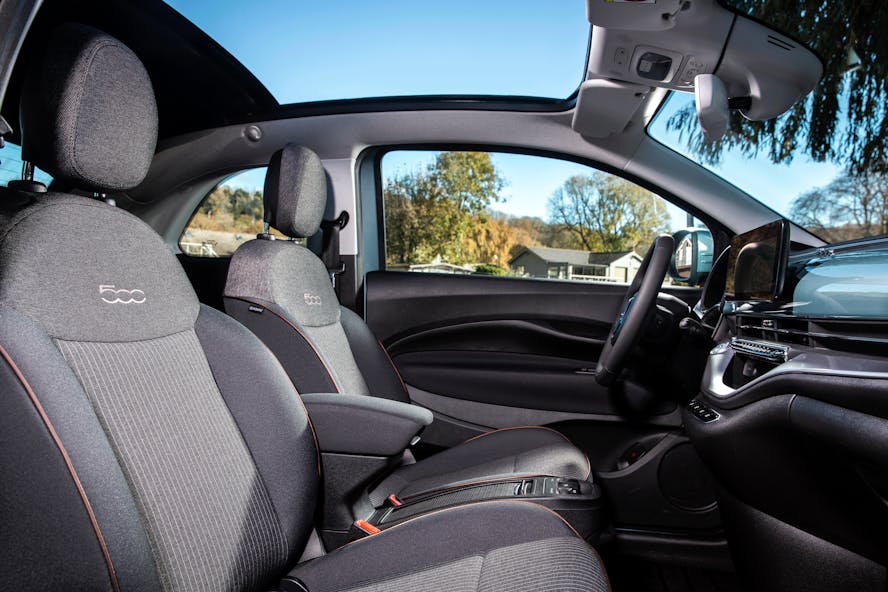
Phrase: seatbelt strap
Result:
[330,246]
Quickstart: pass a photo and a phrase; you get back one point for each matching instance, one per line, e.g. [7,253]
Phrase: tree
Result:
[431,212]
[851,206]
[603,212]
[837,30]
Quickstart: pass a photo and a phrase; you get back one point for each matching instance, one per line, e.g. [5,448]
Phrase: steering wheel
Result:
[638,304]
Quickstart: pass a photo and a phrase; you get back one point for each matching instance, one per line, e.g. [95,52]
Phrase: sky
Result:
[322,50]
[327,49]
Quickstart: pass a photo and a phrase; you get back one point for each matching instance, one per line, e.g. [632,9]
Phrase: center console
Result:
[578,502]
[363,439]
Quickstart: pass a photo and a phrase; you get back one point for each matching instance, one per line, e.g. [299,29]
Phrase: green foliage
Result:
[442,210]
[430,212]
[490,269]
[602,212]
[851,206]
[229,210]
[836,30]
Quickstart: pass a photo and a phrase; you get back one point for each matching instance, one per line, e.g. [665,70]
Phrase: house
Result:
[570,264]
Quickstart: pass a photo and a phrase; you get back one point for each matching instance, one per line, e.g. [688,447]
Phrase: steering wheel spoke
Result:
[639,302]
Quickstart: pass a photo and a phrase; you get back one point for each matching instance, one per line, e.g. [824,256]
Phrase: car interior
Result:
[297,405]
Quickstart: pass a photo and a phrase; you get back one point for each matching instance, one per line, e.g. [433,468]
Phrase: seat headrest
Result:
[88,114]
[295,191]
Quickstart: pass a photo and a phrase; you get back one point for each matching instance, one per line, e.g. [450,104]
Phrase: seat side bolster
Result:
[271,418]
[378,369]
[304,365]
[65,496]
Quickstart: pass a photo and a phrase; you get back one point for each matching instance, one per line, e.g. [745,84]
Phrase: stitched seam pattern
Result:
[68,463]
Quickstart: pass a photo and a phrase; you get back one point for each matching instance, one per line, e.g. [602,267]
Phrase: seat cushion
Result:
[524,451]
[502,546]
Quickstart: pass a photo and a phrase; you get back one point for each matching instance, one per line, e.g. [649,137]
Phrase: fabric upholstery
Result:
[358,424]
[35,511]
[286,274]
[158,476]
[295,191]
[74,127]
[201,501]
[291,282]
[303,363]
[333,345]
[87,271]
[502,546]
[377,369]
[270,417]
[282,291]
[208,514]
[500,453]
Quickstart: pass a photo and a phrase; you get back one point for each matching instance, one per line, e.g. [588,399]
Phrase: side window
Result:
[11,166]
[517,215]
[228,216]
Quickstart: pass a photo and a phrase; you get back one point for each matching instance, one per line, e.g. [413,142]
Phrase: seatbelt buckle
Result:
[393,501]
[361,529]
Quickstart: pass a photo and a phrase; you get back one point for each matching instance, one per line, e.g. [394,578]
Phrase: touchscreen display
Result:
[757,262]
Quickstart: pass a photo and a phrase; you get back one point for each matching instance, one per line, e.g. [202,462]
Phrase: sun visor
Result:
[605,107]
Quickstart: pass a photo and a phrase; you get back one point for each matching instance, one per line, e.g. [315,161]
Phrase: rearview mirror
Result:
[692,259]
[712,106]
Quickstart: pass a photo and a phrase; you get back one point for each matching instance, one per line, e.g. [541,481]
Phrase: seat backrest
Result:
[282,292]
[146,442]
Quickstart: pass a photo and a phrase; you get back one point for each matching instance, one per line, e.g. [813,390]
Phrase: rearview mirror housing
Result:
[692,258]
[712,106]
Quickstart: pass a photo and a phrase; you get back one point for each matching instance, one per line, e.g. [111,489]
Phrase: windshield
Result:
[823,163]
[314,51]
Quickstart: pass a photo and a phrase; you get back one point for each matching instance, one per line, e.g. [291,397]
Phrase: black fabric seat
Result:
[281,291]
[150,443]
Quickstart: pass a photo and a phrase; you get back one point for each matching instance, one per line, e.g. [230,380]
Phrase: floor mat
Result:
[636,575]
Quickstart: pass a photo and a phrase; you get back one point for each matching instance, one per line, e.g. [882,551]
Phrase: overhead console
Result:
[681,45]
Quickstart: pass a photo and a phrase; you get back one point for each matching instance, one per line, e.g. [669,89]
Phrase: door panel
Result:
[499,341]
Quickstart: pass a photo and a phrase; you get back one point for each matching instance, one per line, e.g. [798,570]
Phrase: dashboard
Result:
[792,413]
[822,310]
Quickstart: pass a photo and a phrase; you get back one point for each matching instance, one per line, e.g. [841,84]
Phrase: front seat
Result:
[150,443]
[282,292]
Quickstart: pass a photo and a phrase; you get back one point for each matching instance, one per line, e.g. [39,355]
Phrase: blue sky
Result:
[321,50]
[315,49]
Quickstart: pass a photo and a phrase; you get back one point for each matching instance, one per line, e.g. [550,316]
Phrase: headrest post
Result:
[27,182]
[266,232]
[108,200]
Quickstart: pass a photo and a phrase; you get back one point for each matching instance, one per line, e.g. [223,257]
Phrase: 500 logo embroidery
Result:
[311,299]
[113,295]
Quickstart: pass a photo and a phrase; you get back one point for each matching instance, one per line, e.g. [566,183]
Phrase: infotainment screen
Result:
[757,262]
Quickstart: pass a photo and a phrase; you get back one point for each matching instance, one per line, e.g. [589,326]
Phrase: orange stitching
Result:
[395,368]
[70,466]
[301,334]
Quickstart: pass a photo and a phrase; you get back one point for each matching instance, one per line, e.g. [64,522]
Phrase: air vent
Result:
[867,337]
[763,350]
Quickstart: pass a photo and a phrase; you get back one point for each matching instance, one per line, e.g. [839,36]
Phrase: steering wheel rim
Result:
[639,302]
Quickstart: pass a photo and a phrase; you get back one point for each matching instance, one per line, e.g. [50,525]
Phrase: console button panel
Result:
[703,412]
